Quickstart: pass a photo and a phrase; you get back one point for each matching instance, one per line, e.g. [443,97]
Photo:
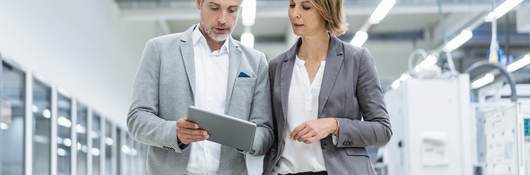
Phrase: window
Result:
[96,144]
[109,142]
[12,114]
[81,131]
[132,156]
[64,136]
[127,151]
[119,156]
[41,128]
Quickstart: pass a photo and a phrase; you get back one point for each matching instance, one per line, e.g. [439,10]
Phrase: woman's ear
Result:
[198,4]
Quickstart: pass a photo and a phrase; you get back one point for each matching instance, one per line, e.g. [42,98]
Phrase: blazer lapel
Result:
[333,65]
[186,51]
[234,62]
[286,75]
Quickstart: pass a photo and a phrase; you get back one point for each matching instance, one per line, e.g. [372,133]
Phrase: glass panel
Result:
[126,154]
[12,112]
[129,155]
[134,158]
[138,158]
[119,152]
[108,148]
[82,139]
[96,144]
[132,155]
[64,135]
[41,128]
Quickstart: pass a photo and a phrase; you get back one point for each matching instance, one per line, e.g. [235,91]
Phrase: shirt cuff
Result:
[335,138]
[182,146]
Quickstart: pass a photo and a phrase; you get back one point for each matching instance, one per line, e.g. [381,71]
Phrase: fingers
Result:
[194,132]
[304,131]
[184,123]
[188,132]
[308,136]
[296,130]
[187,139]
[310,140]
[307,133]
[188,136]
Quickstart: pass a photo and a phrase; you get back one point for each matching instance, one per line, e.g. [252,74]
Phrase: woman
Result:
[327,101]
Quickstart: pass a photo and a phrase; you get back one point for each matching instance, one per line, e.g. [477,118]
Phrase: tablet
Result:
[223,129]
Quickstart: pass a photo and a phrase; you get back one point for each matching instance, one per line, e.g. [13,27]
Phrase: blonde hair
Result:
[331,12]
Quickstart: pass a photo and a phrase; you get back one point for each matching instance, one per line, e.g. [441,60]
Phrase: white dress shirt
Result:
[211,79]
[299,157]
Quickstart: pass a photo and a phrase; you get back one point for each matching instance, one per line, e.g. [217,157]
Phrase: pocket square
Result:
[243,75]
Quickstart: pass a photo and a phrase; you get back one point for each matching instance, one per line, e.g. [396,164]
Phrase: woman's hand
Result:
[314,130]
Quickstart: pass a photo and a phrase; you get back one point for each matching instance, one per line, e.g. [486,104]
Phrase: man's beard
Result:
[217,37]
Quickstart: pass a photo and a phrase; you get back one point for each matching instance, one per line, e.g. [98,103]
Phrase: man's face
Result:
[218,17]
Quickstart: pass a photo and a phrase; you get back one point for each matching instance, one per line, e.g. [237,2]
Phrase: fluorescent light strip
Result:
[248,13]
[247,39]
[490,77]
[486,79]
[381,11]
[4,126]
[359,39]
[429,61]
[525,61]
[502,9]
[397,82]
[459,40]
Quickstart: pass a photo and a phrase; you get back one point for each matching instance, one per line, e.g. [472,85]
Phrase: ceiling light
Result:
[247,39]
[519,64]
[486,79]
[359,39]
[459,40]
[381,11]
[248,13]
[502,9]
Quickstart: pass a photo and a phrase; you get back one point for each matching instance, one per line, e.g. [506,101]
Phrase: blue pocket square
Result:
[243,75]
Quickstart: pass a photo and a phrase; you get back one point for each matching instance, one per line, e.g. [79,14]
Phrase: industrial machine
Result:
[442,127]
[433,127]
[496,96]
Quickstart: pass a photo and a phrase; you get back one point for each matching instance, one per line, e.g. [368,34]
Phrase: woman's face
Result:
[305,19]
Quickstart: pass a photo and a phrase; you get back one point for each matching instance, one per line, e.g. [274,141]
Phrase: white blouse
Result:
[299,157]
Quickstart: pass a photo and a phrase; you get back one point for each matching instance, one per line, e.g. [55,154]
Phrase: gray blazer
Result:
[350,92]
[164,89]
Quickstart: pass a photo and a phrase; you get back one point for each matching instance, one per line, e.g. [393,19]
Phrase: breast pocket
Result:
[242,95]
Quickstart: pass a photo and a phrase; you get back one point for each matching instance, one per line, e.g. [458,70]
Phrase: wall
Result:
[81,46]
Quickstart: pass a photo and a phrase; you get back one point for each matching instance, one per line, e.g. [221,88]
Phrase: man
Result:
[203,66]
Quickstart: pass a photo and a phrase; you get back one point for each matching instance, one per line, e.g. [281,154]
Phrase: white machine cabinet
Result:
[429,117]
[505,136]
[504,140]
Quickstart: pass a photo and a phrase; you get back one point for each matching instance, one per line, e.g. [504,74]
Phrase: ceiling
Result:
[411,24]
[102,37]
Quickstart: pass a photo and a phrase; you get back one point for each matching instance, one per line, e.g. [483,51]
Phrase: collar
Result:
[198,38]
